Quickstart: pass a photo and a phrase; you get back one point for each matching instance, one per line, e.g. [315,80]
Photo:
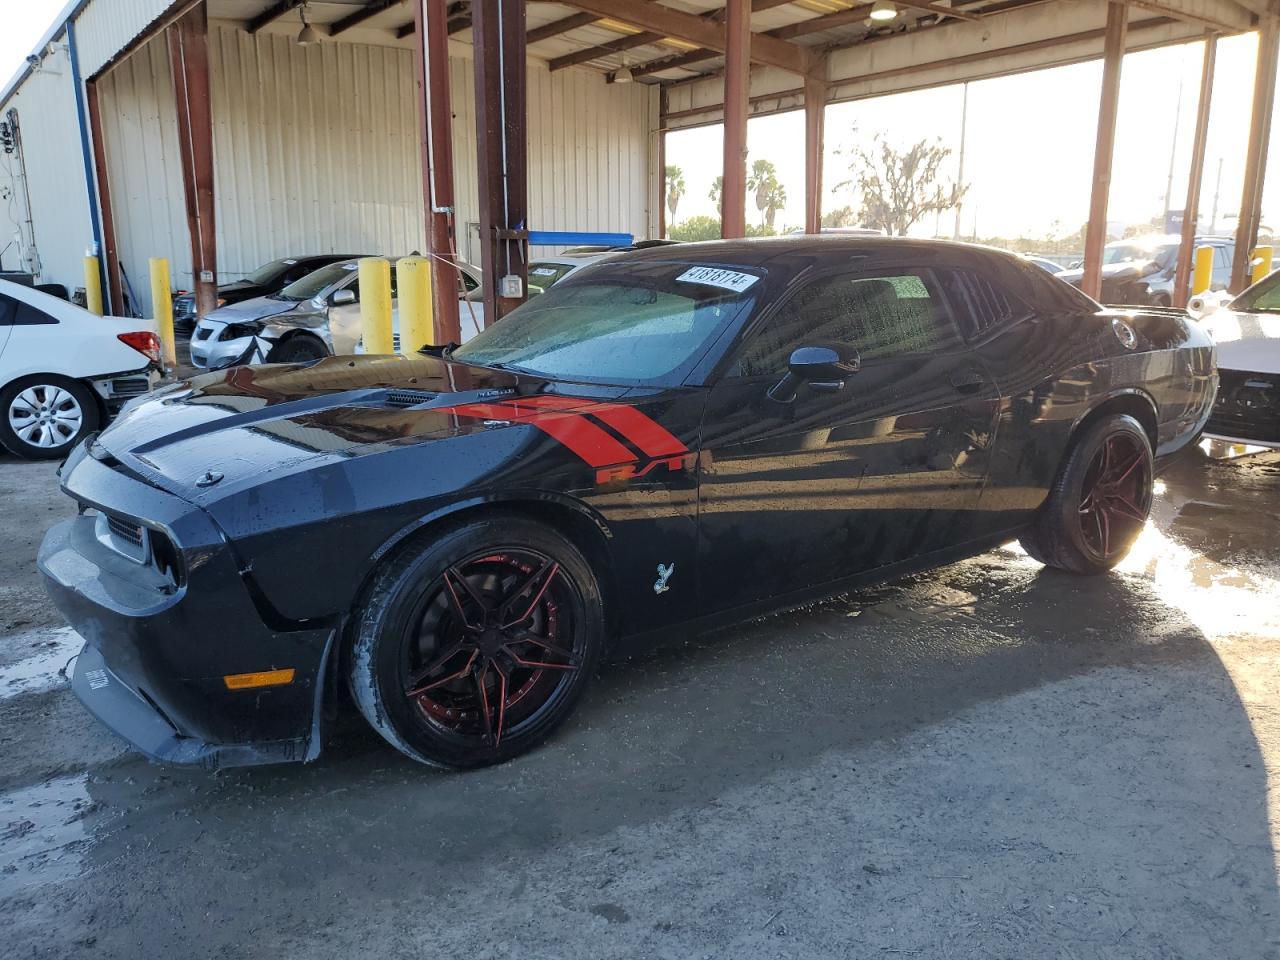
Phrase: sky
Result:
[1028,145]
[1028,139]
[25,22]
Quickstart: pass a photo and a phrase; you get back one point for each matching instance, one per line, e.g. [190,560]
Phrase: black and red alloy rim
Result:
[1116,495]
[496,644]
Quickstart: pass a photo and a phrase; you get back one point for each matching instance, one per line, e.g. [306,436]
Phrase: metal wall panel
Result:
[105,27]
[316,150]
[59,200]
[140,134]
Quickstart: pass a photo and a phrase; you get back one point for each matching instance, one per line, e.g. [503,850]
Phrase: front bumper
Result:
[156,654]
[208,353]
[117,389]
[1247,409]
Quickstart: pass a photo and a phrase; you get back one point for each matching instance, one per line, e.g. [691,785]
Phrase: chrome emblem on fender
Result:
[665,570]
[1124,333]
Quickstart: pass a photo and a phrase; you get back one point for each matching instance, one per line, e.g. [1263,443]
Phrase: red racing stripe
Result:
[653,439]
[577,433]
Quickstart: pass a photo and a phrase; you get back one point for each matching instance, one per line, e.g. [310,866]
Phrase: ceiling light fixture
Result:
[623,75]
[309,35]
[883,10]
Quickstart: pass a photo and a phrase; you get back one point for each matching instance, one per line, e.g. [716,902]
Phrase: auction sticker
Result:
[718,277]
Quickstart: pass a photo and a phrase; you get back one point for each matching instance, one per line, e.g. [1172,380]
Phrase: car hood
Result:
[1127,270]
[247,424]
[257,308]
[239,289]
[1248,342]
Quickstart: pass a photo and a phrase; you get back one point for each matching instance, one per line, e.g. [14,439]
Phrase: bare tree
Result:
[899,188]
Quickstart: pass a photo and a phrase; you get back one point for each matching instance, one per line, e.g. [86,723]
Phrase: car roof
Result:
[756,251]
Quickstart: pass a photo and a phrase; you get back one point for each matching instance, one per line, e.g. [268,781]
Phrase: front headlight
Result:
[236,331]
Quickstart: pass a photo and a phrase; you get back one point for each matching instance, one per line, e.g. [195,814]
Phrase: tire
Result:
[443,691]
[1100,501]
[43,417]
[299,348]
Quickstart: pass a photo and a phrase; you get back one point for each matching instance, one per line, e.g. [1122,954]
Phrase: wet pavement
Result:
[988,760]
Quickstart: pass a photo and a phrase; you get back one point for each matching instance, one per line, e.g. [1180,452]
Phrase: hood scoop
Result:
[408,398]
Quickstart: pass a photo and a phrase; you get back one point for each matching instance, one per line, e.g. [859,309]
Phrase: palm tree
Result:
[716,195]
[774,201]
[675,189]
[763,181]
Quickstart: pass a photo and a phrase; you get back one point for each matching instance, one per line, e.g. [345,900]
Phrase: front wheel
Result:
[299,348]
[1100,501]
[43,417]
[472,649]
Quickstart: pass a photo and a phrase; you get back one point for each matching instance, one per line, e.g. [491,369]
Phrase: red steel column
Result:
[737,74]
[662,163]
[115,285]
[498,35]
[1096,232]
[431,69]
[815,111]
[1264,95]
[189,63]
[1191,211]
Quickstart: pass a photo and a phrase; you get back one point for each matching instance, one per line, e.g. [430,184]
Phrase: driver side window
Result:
[881,315]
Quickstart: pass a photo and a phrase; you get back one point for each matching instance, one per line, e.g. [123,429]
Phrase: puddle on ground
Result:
[42,833]
[44,653]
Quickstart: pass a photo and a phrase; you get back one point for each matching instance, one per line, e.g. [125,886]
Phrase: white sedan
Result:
[64,371]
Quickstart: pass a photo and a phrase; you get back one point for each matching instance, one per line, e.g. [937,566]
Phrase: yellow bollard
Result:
[375,305]
[413,298]
[92,286]
[162,306]
[1202,275]
[1261,262]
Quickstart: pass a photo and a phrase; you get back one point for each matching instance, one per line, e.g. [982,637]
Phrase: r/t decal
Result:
[633,471]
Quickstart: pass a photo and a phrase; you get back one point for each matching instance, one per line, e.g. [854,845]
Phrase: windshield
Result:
[317,282]
[1264,297]
[1161,253]
[543,274]
[269,271]
[647,324]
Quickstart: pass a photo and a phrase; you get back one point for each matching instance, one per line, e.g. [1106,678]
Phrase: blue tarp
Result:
[569,238]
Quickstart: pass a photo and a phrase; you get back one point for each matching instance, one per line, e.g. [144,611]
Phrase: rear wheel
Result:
[1100,501]
[43,417]
[472,649]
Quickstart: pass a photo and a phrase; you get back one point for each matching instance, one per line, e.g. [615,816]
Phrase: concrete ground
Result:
[986,761]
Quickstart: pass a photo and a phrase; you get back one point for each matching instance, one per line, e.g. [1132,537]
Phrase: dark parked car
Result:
[1140,271]
[269,278]
[657,444]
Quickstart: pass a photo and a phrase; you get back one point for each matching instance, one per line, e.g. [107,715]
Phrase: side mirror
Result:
[824,368]
[344,297]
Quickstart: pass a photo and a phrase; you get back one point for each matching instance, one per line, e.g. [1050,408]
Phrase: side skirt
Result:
[639,643]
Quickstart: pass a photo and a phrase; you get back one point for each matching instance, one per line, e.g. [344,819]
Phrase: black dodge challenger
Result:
[660,443]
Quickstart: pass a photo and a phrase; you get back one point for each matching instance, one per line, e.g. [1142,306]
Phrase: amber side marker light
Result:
[267,678]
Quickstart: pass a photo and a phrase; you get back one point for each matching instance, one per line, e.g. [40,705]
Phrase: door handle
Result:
[968,381]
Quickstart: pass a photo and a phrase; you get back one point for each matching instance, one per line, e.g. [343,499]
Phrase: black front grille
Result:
[129,532]
[130,386]
[1248,406]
